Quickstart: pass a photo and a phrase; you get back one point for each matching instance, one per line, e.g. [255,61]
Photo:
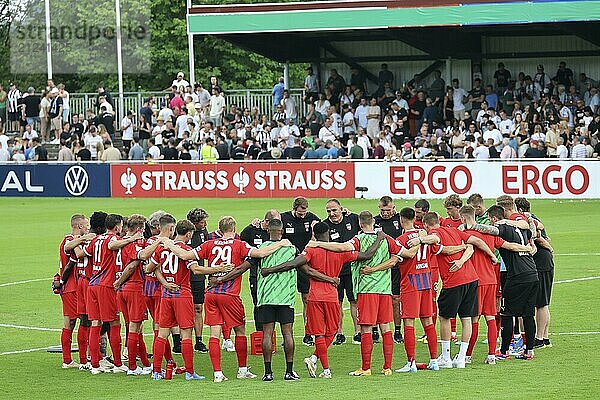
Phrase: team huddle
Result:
[495,262]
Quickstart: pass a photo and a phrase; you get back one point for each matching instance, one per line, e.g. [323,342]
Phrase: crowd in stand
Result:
[547,115]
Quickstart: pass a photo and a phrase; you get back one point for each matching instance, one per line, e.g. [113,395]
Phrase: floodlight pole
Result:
[119,60]
[48,39]
[191,49]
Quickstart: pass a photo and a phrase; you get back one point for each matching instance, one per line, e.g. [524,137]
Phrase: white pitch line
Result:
[577,254]
[21,282]
[588,278]
[23,351]
[31,328]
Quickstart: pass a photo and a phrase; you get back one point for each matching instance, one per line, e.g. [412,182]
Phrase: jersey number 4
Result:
[222,256]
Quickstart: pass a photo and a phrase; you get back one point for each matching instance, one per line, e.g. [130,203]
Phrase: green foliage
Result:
[167,51]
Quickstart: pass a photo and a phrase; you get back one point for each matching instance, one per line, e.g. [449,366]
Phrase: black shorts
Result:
[198,291]
[254,289]
[519,298]
[270,313]
[545,288]
[14,116]
[503,275]
[346,285]
[303,282]
[461,300]
[395,281]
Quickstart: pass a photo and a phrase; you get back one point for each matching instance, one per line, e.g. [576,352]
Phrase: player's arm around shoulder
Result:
[286,266]
[270,249]
[370,252]
[117,244]
[316,275]
[332,246]
[179,251]
[231,274]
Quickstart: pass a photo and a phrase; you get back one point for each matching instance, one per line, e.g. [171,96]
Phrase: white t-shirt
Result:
[348,123]
[182,124]
[166,114]
[290,107]
[26,135]
[4,155]
[562,151]
[506,127]
[180,84]
[127,128]
[457,98]
[496,136]
[91,142]
[4,139]
[361,115]
[363,141]
[154,152]
[481,153]
[336,124]
[216,106]
[322,107]
[326,133]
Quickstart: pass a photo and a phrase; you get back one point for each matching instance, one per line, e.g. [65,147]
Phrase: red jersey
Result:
[229,251]
[450,222]
[329,263]
[71,284]
[418,224]
[415,273]
[104,260]
[129,253]
[174,270]
[487,272]
[466,274]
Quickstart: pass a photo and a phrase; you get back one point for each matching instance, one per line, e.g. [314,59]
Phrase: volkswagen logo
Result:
[76,180]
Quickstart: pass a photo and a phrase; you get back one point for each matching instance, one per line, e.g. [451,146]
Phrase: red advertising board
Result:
[311,179]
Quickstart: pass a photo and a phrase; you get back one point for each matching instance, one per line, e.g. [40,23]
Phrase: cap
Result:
[407,145]
[180,74]
[197,105]
[160,119]
[534,142]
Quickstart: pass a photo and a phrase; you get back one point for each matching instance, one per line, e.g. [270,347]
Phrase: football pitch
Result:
[30,318]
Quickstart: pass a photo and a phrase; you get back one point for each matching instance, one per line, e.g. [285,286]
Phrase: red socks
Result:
[431,340]
[473,339]
[388,349]
[65,341]
[329,340]
[410,342]
[226,333]
[142,352]
[366,349]
[214,351]
[453,324]
[168,353]
[241,350]
[114,337]
[83,336]
[492,335]
[94,344]
[187,351]
[132,349]
[159,352]
[321,350]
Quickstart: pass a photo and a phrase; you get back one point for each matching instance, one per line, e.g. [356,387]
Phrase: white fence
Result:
[243,98]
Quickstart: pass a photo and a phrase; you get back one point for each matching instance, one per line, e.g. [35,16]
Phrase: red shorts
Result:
[82,287]
[374,309]
[176,311]
[322,318]
[417,304]
[133,306]
[101,303]
[224,310]
[69,305]
[487,299]
[153,305]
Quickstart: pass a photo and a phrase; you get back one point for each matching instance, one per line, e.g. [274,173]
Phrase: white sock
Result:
[445,349]
[327,371]
[242,370]
[313,358]
[516,336]
[432,360]
[453,333]
[218,374]
[463,350]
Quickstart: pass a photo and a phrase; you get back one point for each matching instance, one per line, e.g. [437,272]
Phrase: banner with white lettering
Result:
[55,180]
[431,180]
[251,180]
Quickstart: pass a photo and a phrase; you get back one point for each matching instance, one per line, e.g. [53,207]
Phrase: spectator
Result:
[476,97]
[481,152]
[327,132]
[564,75]
[360,115]
[55,115]
[336,83]
[3,96]
[541,83]
[4,154]
[561,150]
[459,96]
[290,107]
[501,79]
[493,133]
[4,139]
[65,154]
[31,103]
[107,119]
[491,97]
[378,150]
[348,122]
[373,119]
[170,152]
[127,130]
[578,150]
[180,83]
[277,92]
[110,153]
[12,108]
[208,152]
[494,153]
[356,151]
[534,150]
[216,108]
[312,86]
[437,88]
[136,152]
[507,153]
[457,142]
[39,152]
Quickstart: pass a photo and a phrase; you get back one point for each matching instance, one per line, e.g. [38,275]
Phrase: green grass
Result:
[31,229]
